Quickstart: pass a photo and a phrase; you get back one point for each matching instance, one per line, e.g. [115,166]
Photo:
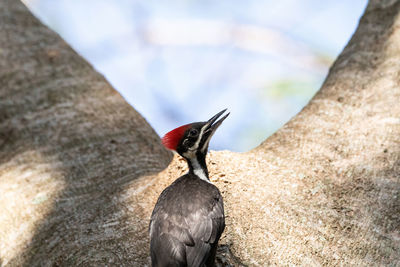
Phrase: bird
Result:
[188,217]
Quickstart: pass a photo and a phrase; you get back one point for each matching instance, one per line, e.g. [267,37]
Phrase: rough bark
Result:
[70,146]
[80,170]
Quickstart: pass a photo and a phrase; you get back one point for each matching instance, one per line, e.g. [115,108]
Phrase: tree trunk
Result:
[80,169]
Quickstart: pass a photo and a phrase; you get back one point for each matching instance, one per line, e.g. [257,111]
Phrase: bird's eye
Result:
[193,132]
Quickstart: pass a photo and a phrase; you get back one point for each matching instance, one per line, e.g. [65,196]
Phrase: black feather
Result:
[186,223]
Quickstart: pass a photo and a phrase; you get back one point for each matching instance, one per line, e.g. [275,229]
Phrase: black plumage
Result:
[188,218]
[187,223]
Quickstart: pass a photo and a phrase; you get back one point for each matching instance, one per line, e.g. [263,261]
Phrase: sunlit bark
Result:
[80,169]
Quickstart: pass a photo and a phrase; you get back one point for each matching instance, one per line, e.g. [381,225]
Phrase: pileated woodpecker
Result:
[188,218]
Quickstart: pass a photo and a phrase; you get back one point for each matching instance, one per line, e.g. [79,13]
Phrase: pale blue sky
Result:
[180,61]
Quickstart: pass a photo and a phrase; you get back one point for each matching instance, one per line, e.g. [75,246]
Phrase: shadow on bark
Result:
[366,210]
[96,159]
[54,104]
[60,116]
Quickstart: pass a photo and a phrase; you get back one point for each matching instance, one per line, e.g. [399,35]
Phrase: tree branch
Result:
[79,168]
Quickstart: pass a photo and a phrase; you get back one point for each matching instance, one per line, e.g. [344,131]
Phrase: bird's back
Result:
[186,223]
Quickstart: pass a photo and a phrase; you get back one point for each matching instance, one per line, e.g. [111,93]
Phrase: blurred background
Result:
[181,61]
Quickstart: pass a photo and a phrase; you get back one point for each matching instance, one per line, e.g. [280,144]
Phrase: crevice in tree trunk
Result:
[80,169]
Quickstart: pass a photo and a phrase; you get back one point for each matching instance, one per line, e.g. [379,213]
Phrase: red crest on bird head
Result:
[172,138]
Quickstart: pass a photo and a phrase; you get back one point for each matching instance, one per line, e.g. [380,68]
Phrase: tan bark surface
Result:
[80,169]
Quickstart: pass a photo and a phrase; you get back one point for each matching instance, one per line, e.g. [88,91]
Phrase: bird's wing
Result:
[205,224]
[206,227]
[166,250]
[171,226]
[168,240]
[195,227]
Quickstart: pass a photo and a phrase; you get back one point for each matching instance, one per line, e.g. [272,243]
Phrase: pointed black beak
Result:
[213,124]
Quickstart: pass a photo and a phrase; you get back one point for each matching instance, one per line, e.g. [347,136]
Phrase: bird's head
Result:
[191,140]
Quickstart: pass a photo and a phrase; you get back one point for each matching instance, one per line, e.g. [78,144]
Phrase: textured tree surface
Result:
[80,170]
